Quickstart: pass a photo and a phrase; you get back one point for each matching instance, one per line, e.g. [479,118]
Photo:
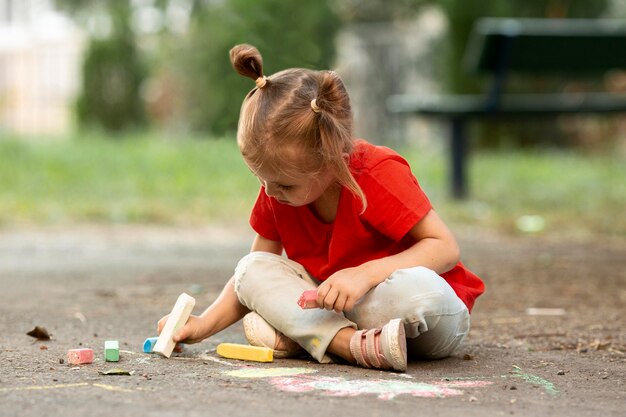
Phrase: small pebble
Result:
[561,372]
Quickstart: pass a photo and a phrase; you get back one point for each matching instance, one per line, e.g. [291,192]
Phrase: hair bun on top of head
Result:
[248,62]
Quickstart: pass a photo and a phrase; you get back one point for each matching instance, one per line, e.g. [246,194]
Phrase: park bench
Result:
[567,48]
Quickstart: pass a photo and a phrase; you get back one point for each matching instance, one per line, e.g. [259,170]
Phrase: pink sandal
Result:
[383,348]
[260,333]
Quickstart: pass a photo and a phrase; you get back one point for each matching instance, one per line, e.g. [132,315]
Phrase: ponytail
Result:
[335,130]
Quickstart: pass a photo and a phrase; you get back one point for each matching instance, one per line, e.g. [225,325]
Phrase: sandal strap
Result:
[370,348]
[366,350]
[356,349]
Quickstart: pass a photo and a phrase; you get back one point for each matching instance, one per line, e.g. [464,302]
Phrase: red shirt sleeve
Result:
[262,217]
[395,201]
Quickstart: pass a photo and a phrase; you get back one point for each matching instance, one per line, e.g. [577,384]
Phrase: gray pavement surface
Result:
[88,284]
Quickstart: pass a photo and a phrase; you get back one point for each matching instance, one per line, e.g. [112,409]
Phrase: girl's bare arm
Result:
[225,310]
[435,248]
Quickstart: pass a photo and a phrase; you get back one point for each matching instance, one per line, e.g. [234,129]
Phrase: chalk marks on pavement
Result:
[64,386]
[384,389]
[303,380]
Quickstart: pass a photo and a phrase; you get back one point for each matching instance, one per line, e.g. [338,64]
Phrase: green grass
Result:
[135,180]
[574,194]
[145,179]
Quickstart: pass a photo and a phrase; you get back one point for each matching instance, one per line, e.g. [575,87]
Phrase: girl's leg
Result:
[271,285]
[436,321]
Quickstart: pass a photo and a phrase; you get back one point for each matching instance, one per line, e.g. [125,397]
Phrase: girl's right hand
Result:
[192,332]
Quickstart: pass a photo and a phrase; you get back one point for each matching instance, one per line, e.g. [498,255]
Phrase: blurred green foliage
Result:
[286,34]
[112,77]
[208,90]
[112,72]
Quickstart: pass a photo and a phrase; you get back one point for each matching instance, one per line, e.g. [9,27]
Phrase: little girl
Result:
[353,223]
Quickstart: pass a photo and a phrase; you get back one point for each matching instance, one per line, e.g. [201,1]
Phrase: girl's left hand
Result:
[343,289]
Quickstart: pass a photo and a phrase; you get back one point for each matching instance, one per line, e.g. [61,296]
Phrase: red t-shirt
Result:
[395,203]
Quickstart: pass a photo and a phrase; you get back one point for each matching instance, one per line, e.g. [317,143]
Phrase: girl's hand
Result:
[343,289]
[192,332]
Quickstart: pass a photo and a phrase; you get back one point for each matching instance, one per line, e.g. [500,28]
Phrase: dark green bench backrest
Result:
[546,46]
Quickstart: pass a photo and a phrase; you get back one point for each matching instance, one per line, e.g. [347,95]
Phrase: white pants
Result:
[436,320]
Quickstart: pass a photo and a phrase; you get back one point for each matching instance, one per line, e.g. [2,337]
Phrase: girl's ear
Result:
[346,157]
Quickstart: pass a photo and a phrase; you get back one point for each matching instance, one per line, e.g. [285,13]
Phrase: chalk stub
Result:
[178,317]
[308,299]
[80,356]
[148,344]
[245,352]
[111,351]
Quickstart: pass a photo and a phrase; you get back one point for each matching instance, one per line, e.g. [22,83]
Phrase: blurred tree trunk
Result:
[378,59]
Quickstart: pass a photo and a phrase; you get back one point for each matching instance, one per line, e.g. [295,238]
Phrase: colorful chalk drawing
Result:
[517,372]
[301,380]
[384,389]
[534,380]
[268,372]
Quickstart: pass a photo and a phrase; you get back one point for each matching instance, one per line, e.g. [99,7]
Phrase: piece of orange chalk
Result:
[79,356]
[308,299]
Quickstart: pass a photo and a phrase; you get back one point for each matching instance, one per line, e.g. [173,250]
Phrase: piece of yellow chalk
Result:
[245,352]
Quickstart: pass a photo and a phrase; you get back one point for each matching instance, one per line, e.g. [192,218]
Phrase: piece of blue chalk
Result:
[148,345]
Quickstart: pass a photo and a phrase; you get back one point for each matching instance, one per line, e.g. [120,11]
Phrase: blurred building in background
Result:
[40,58]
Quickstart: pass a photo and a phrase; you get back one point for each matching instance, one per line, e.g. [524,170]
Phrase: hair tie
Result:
[314,106]
[261,81]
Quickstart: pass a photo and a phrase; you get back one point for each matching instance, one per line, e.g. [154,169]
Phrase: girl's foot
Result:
[383,348]
[259,333]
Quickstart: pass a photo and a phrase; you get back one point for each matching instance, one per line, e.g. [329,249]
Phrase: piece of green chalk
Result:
[111,351]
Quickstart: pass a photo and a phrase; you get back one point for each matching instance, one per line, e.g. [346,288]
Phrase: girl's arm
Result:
[225,310]
[435,248]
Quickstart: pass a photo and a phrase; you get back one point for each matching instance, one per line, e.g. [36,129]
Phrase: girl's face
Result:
[297,189]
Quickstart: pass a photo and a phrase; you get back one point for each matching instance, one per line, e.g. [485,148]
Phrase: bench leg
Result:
[458,153]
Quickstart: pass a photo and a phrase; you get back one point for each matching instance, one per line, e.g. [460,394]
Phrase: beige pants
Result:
[436,320]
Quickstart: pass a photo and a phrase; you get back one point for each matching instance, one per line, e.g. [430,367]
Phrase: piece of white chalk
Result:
[178,317]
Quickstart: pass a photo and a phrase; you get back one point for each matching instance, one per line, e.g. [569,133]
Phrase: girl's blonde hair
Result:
[296,120]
